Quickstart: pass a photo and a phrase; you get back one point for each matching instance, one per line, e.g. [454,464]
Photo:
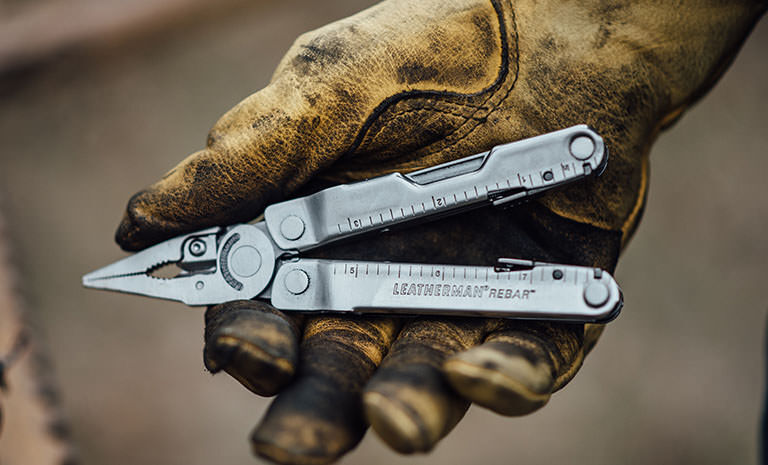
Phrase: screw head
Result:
[197,247]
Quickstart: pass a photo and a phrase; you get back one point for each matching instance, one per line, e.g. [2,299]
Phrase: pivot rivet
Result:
[582,147]
[292,227]
[596,294]
[296,281]
[245,261]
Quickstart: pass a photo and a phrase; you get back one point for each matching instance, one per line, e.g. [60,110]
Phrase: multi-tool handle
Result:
[506,174]
[517,289]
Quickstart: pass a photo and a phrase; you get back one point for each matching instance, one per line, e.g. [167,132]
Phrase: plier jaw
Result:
[194,256]
[210,265]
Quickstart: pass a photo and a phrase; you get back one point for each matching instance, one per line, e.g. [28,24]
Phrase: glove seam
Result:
[443,96]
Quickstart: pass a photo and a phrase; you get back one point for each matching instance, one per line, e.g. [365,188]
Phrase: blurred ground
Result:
[677,379]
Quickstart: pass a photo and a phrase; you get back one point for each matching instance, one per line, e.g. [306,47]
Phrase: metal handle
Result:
[507,173]
[527,290]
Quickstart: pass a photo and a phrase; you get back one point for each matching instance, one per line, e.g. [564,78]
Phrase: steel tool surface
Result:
[262,260]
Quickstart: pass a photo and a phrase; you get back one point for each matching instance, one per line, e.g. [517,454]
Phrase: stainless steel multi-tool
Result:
[262,260]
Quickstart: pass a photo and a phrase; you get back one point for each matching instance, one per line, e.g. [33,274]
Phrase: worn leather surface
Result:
[405,85]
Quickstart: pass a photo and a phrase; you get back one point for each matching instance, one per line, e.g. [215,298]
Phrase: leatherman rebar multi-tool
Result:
[262,260]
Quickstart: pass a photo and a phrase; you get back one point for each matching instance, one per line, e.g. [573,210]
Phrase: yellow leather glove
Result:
[402,86]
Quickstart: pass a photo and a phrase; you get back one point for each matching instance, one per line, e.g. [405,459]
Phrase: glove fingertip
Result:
[256,369]
[252,342]
[127,232]
[138,228]
[508,384]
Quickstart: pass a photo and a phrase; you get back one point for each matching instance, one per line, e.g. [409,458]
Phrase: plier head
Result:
[203,268]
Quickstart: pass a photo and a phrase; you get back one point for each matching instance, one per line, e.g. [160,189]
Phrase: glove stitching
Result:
[428,95]
[372,137]
[496,106]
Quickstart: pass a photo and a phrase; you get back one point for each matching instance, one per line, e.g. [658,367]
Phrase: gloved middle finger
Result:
[318,417]
[408,402]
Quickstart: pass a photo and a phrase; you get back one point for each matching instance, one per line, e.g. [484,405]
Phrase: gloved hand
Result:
[402,86]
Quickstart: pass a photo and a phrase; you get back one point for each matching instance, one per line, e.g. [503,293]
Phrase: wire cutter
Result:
[263,259]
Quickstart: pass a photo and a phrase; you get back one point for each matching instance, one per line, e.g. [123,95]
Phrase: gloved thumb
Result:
[258,152]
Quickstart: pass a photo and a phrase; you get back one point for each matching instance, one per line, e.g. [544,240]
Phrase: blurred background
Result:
[100,97]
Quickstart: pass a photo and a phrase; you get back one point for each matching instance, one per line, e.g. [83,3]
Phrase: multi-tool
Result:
[263,259]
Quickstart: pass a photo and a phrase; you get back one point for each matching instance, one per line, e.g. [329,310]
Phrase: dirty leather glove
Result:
[406,85]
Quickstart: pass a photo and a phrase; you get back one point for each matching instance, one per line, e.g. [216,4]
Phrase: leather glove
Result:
[406,85]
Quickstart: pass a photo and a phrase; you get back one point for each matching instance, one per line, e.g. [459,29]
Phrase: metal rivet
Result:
[548,176]
[596,294]
[292,227]
[199,285]
[557,274]
[296,281]
[197,247]
[582,147]
[245,261]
